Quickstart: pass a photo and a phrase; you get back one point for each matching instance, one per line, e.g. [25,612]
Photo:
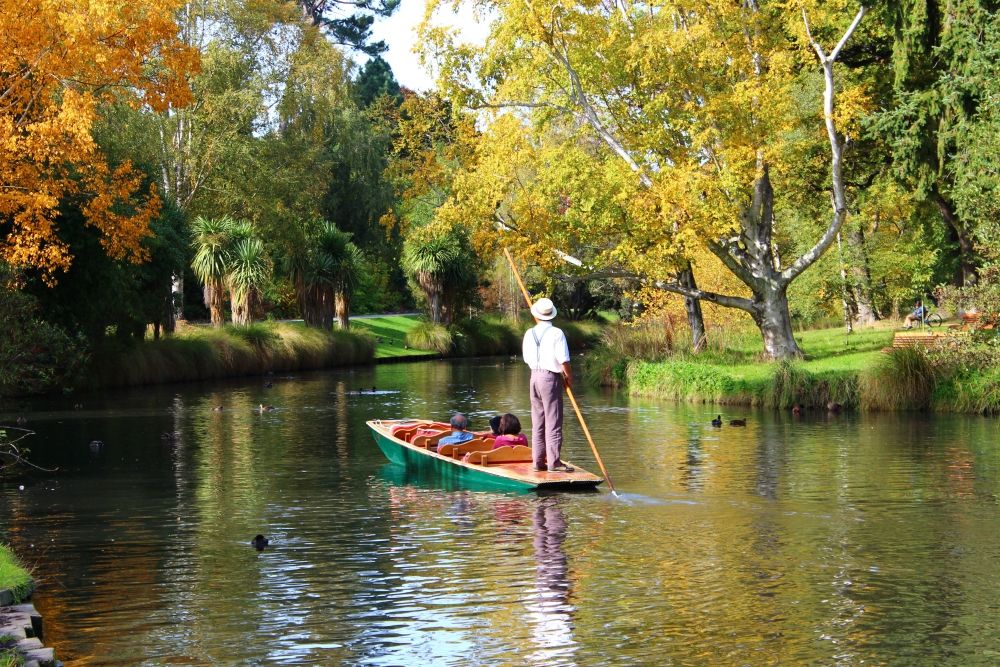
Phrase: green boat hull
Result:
[448,473]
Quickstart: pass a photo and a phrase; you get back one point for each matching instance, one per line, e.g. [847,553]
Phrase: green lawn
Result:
[389,332]
[735,369]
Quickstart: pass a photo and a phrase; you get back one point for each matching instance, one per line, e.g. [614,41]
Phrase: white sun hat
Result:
[544,309]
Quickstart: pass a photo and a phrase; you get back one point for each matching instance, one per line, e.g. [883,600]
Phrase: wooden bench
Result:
[505,454]
[913,340]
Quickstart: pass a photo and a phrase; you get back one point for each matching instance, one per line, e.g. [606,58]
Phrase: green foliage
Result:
[430,336]
[375,80]
[97,294]
[346,29]
[35,355]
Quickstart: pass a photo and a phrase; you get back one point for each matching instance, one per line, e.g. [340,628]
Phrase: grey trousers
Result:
[546,418]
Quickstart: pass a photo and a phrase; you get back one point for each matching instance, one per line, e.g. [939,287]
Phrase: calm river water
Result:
[821,539]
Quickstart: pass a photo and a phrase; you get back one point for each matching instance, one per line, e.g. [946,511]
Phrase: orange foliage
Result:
[58,61]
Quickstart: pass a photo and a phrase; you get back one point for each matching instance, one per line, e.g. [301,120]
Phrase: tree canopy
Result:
[58,63]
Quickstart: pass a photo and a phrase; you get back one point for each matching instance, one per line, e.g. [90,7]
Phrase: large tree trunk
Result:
[968,268]
[693,307]
[861,277]
[775,323]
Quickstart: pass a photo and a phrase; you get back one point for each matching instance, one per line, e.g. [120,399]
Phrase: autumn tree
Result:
[693,99]
[58,62]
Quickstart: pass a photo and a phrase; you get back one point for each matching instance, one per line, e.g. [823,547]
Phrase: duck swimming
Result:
[259,542]
[265,408]
[717,421]
[737,422]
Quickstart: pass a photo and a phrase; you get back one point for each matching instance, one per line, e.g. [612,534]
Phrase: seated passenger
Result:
[459,431]
[510,433]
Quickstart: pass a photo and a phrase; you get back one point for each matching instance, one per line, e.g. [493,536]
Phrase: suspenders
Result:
[538,347]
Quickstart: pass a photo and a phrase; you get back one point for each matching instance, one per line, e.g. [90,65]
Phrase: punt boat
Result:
[413,443]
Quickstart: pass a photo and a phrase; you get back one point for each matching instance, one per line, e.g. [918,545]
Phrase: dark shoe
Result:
[562,467]
[541,469]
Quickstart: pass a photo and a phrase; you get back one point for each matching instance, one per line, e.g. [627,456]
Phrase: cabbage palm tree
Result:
[443,266]
[344,260]
[325,274]
[249,271]
[211,241]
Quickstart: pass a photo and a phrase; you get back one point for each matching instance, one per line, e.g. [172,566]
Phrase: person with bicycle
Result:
[916,316]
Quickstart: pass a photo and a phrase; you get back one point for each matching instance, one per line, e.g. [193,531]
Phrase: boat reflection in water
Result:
[550,611]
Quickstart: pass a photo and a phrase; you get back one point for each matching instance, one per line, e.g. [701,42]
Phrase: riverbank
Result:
[859,371]
[197,353]
[208,353]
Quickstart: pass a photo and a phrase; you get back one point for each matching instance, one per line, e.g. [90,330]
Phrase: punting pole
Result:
[569,390]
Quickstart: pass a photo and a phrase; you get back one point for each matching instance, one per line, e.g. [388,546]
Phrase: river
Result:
[814,539]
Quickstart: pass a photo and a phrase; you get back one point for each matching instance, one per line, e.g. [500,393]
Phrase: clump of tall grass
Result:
[13,576]
[429,336]
[791,385]
[206,353]
[260,334]
[903,379]
[485,336]
[649,340]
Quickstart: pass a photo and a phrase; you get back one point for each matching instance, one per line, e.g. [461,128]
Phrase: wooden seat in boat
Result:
[463,448]
[506,454]
[404,433]
[428,440]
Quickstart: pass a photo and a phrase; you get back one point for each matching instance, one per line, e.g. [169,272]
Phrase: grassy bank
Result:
[13,576]
[389,333]
[472,337]
[206,353]
[848,369]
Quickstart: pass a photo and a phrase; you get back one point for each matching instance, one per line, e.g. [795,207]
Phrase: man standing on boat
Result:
[547,354]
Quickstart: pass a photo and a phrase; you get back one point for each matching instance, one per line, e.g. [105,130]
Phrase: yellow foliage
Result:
[58,61]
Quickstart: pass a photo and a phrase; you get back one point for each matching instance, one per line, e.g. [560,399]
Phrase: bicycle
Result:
[931,319]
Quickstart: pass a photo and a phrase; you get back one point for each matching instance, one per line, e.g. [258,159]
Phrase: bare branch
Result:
[721,299]
[836,153]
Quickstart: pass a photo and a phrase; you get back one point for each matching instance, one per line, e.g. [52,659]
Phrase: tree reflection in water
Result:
[549,609]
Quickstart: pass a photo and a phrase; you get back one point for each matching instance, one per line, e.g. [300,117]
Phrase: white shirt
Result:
[550,352]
